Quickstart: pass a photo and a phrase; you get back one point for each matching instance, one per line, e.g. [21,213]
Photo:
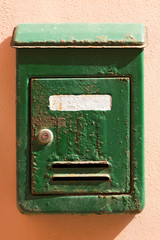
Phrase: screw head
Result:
[45,136]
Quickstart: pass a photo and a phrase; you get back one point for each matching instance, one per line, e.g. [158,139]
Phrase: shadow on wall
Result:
[77,227]
[60,227]
[7,112]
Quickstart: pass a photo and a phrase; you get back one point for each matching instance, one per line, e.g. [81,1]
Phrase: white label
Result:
[80,102]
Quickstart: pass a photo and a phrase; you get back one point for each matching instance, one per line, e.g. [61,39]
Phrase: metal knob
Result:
[45,136]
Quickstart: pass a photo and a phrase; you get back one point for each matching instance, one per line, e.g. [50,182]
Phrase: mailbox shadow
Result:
[89,227]
[63,227]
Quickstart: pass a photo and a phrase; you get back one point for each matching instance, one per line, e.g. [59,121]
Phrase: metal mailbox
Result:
[80,143]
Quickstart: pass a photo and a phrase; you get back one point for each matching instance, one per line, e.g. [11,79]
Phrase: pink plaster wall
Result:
[14,225]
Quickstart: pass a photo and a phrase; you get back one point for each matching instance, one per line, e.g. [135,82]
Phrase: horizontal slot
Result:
[82,164]
[80,177]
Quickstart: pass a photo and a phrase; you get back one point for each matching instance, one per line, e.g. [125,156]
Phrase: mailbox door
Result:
[90,151]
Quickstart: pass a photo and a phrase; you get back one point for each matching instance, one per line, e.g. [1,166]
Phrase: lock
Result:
[45,136]
[80,123]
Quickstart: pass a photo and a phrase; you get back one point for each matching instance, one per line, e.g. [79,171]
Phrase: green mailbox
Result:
[80,140]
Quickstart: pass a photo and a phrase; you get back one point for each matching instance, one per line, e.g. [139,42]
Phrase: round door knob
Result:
[45,136]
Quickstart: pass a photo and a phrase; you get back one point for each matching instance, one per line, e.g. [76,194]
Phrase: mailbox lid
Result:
[60,35]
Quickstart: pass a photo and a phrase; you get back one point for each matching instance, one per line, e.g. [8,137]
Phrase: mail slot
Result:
[80,118]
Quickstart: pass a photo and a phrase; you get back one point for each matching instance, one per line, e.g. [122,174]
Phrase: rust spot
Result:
[43,121]
[129,36]
[62,41]
[61,122]
[127,152]
[102,38]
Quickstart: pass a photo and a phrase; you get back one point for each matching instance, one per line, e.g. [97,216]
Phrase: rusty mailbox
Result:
[80,118]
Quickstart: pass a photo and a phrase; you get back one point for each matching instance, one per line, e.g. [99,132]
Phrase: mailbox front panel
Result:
[82,158]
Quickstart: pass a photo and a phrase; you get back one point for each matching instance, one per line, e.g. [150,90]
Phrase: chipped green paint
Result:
[82,136]
[118,72]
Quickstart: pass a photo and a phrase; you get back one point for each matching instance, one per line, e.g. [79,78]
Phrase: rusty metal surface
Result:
[81,137]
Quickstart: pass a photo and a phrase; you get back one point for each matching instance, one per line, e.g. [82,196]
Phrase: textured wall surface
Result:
[14,225]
